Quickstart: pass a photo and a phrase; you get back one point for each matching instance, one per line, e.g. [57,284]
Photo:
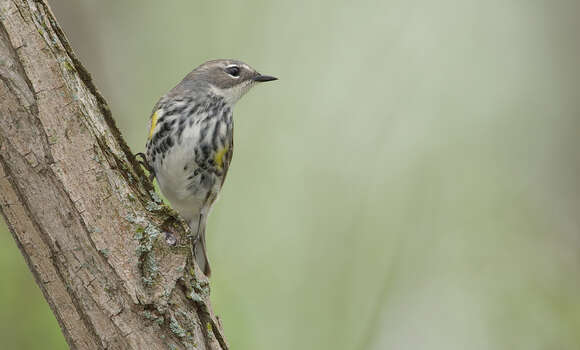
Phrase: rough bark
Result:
[113,263]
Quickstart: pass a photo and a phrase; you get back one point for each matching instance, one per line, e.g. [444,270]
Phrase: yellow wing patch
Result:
[153,124]
[219,156]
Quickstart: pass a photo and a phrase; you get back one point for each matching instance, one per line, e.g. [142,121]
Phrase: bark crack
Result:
[44,236]
[15,71]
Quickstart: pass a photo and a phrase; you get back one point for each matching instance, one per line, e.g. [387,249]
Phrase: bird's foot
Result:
[145,164]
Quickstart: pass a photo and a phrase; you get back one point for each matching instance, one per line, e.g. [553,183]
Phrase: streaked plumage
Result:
[190,143]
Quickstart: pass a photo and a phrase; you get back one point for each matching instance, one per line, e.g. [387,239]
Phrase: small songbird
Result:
[191,140]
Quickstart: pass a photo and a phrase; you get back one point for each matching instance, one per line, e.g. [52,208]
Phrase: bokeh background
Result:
[410,182]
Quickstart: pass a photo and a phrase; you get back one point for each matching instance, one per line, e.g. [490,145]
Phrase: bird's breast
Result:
[189,152]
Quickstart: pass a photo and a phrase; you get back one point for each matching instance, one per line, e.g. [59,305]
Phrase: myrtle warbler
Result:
[190,143]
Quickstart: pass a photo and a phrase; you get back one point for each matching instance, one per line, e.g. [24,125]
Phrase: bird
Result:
[191,141]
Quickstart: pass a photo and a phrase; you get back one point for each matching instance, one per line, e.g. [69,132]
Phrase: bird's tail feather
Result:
[197,227]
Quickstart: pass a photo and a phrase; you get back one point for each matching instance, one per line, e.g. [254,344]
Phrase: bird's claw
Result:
[145,164]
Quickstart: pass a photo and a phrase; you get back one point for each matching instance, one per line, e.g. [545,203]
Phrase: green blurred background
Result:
[410,182]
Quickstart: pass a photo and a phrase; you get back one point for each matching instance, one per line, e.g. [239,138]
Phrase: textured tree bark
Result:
[113,263]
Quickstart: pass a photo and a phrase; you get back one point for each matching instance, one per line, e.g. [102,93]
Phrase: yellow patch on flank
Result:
[219,157]
[153,124]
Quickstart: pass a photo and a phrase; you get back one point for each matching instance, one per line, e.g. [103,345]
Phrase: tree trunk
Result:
[113,263]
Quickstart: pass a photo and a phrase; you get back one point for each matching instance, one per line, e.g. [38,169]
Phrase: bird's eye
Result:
[234,71]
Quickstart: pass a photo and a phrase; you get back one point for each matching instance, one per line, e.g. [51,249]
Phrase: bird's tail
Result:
[197,227]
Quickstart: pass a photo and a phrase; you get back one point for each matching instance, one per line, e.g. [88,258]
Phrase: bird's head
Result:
[228,78]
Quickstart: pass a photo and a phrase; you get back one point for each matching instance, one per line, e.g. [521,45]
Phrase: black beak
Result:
[262,78]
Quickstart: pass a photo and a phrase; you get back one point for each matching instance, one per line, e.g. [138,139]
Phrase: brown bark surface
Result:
[113,263]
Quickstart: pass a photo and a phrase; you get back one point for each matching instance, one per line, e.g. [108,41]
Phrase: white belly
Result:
[182,181]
